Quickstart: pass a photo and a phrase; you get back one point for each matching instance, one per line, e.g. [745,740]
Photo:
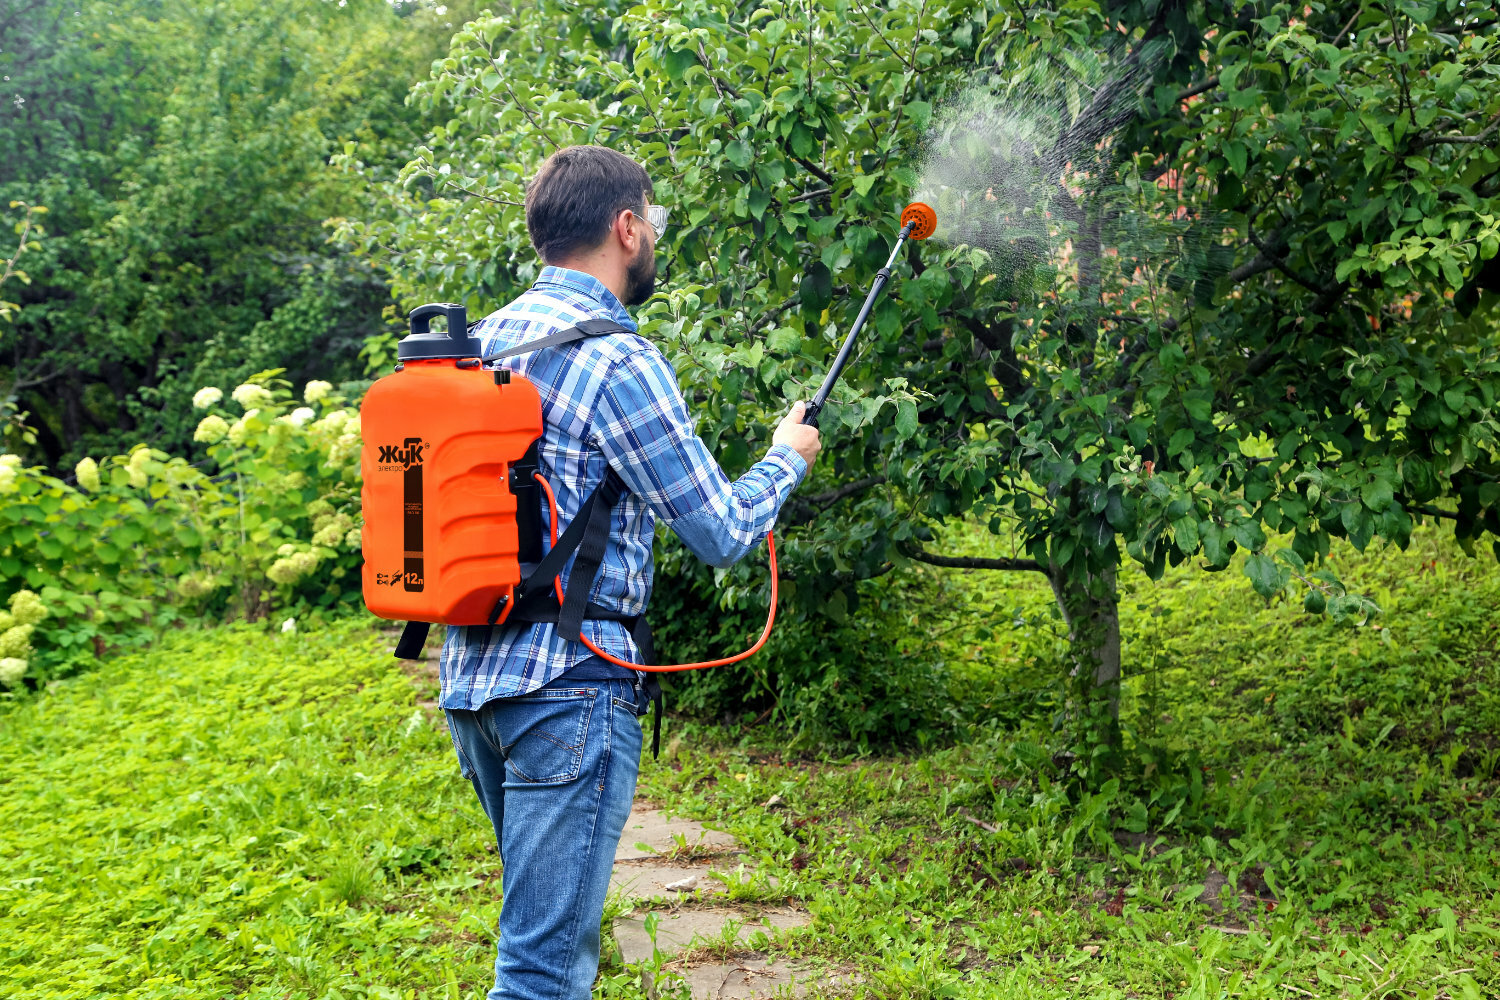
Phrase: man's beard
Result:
[640,276]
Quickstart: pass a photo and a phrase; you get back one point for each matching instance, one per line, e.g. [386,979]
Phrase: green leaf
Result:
[1198,407]
[759,200]
[1376,494]
[1379,130]
[816,289]
[1236,154]
[1185,534]
[906,418]
[784,340]
[1264,574]
[739,153]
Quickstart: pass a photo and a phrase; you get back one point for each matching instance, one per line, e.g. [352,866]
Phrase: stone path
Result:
[678,870]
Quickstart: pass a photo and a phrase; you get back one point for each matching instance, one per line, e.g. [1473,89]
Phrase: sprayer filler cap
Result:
[423,344]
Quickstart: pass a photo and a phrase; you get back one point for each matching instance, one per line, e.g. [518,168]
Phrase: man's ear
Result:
[624,231]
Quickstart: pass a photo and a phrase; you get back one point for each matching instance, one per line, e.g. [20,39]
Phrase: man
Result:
[548,733]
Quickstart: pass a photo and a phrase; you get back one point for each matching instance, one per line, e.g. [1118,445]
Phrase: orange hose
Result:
[663,669]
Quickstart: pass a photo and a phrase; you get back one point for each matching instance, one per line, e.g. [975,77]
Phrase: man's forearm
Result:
[723,530]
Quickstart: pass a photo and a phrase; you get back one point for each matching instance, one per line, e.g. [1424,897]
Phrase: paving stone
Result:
[754,978]
[657,831]
[675,932]
[664,880]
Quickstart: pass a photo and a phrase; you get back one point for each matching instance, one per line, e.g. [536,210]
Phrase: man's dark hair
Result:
[575,196]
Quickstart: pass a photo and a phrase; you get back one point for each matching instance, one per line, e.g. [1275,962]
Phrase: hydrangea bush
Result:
[265,519]
[16,628]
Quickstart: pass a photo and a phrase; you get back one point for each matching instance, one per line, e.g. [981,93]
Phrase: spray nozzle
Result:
[922,219]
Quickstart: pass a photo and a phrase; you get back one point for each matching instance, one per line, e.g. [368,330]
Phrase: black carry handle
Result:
[421,317]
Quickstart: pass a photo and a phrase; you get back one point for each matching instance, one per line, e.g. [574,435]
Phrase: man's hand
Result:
[802,438]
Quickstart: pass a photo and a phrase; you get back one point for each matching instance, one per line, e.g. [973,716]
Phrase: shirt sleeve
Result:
[642,425]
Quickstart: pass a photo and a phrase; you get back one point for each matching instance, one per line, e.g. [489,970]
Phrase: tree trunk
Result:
[1091,610]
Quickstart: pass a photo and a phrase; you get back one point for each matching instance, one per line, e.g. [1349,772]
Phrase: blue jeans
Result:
[555,771]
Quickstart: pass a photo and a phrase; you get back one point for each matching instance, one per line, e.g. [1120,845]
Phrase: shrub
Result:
[267,520]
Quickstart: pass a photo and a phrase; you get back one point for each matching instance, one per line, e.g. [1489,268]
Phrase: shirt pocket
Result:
[550,732]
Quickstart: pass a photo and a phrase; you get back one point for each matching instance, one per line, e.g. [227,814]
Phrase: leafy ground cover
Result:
[239,812]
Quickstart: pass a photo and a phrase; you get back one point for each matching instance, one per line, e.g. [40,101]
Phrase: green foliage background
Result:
[181,149]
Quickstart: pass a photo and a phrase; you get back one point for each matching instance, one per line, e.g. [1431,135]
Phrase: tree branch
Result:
[832,497]
[997,340]
[1433,512]
[814,169]
[1280,264]
[531,118]
[1433,139]
[809,196]
[966,562]
[1201,87]
[864,14]
[801,510]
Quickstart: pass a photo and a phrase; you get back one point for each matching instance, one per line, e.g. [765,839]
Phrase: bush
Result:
[839,677]
[267,521]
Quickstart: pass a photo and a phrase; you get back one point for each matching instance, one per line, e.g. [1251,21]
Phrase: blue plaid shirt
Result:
[609,401]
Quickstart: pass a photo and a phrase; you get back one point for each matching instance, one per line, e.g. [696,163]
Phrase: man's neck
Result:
[609,276]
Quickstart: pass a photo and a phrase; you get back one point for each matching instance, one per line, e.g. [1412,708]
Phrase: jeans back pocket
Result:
[544,733]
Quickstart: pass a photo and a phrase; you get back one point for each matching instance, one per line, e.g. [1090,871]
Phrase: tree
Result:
[182,149]
[1238,334]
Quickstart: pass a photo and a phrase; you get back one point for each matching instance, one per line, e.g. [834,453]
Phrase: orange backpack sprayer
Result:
[452,495]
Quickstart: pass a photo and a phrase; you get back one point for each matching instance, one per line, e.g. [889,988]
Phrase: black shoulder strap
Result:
[413,636]
[588,535]
[585,329]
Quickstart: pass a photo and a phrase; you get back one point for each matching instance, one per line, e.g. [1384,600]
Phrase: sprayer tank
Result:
[440,536]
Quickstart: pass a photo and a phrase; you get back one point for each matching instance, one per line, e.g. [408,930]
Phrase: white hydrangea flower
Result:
[252,396]
[316,390]
[289,626]
[11,669]
[301,416]
[26,608]
[290,569]
[87,473]
[196,584]
[136,467]
[7,478]
[238,430]
[344,449]
[211,429]
[12,462]
[206,397]
[16,641]
[331,529]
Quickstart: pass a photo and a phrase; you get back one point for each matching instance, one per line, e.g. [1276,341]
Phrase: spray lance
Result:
[918,221]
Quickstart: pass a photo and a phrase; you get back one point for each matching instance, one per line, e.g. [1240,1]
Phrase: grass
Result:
[242,813]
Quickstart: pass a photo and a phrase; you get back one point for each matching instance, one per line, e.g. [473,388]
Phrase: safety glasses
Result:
[656,218]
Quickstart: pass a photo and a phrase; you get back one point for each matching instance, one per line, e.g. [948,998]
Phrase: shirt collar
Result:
[587,286]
